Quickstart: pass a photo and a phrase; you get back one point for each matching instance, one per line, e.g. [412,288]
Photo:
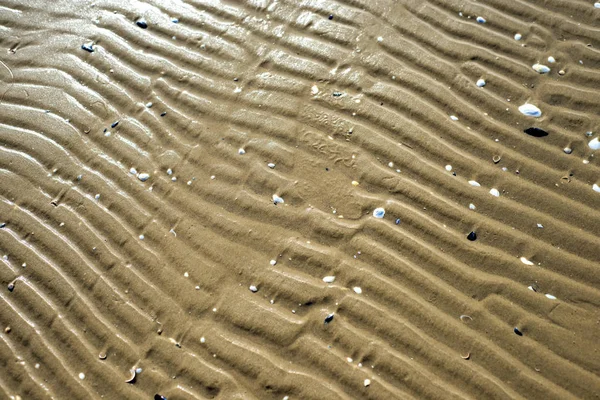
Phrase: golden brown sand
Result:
[195,275]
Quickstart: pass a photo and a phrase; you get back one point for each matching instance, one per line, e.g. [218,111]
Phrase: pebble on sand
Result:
[142,23]
[472,206]
[329,279]
[518,36]
[480,83]
[367,382]
[379,212]
[253,289]
[143,177]
[550,296]
[481,20]
[472,236]
[596,188]
[357,290]
[525,261]
[454,118]
[551,60]
[448,168]
[541,69]
[329,318]
[81,376]
[495,192]
[88,47]
[271,165]
[568,150]
[273,262]
[530,110]
[594,144]
[517,331]
[597,5]
[277,200]
[474,183]
[241,152]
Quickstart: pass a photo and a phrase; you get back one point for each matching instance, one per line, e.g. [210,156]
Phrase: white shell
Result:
[480,83]
[495,192]
[329,279]
[530,110]
[472,206]
[241,152]
[379,212]
[271,165]
[526,261]
[277,199]
[474,183]
[448,168]
[273,262]
[518,36]
[357,290]
[550,296]
[253,289]
[540,226]
[596,188]
[454,118]
[314,89]
[481,20]
[541,69]
[143,177]
[367,382]
[132,171]
[551,60]
[594,144]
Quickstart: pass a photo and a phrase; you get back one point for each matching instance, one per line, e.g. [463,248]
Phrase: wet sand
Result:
[194,190]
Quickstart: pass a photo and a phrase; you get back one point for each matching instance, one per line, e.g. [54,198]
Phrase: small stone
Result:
[397,221]
[494,192]
[448,168]
[81,376]
[132,171]
[550,296]
[329,279]
[594,144]
[143,177]
[114,124]
[517,331]
[540,226]
[530,110]
[175,20]
[481,20]
[472,206]
[328,318]
[241,152]
[273,262]
[271,165]
[354,183]
[551,60]
[253,289]
[7,329]
[277,200]
[568,150]
[472,236]
[357,290]
[540,68]
[367,382]
[596,188]
[561,72]
[142,23]
[480,83]
[518,36]
[202,339]
[496,159]
[454,118]
[11,286]
[379,212]
[474,183]
[330,16]
[597,5]
[88,47]
[314,90]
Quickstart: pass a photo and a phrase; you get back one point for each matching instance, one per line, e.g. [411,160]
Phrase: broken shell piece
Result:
[357,290]
[480,83]
[102,356]
[277,200]
[329,279]
[143,177]
[596,188]
[530,110]
[540,69]
[474,183]
[466,318]
[525,261]
[594,144]
[494,192]
[496,159]
[367,382]
[466,357]
[568,150]
[550,296]
[379,212]
[132,376]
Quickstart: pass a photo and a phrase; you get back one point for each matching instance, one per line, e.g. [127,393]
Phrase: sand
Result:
[299,199]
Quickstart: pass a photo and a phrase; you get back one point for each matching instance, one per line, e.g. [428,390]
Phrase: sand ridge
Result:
[178,178]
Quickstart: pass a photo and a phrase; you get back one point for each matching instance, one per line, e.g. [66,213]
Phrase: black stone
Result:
[472,236]
[536,132]
[163,114]
[159,397]
[330,16]
[398,221]
[141,23]
[88,47]
[11,287]
[337,94]
[518,332]
[328,318]
[114,124]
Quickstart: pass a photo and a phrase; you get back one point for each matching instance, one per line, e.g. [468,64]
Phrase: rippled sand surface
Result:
[299,199]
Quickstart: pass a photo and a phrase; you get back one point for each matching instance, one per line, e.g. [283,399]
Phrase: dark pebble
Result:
[518,332]
[536,132]
[175,20]
[472,236]
[114,124]
[3,225]
[88,47]
[11,287]
[328,318]
[337,94]
[330,16]
[141,23]
[163,114]
[398,221]
[159,397]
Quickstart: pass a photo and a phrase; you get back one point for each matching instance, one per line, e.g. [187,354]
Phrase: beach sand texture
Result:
[300,199]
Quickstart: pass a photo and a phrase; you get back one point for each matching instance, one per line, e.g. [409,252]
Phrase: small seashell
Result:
[530,110]
[494,192]
[241,152]
[102,356]
[357,290]
[277,200]
[131,378]
[466,357]
[597,5]
[480,83]
[367,382]
[596,188]
[253,289]
[474,183]
[472,206]
[132,171]
[88,47]
[143,177]
[329,279]
[551,60]
[496,159]
[472,236]
[329,318]
[273,262]
[540,226]
[454,118]
[466,318]
[448,168]
[550,296]
[568,150]
[81,376]
[271,165]
[540,68]
[379,212]
[354,183]
[594,144]
[314,89]
[517,331]
[525,261]
[561,72]
[480,20]
[518,36]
